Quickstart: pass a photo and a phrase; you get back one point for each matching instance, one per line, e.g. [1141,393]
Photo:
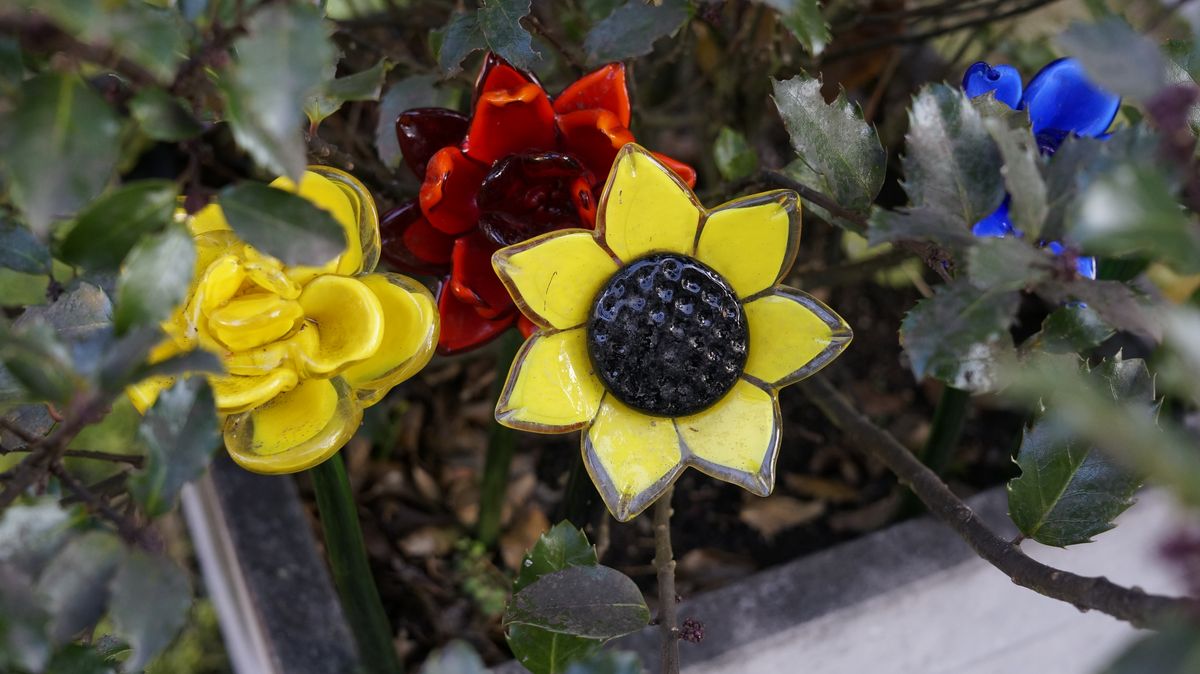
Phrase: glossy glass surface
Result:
[305,349]
[553,387]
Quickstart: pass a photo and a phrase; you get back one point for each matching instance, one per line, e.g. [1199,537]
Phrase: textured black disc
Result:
[667,335]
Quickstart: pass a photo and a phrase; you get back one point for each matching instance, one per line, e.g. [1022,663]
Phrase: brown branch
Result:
[1132,605]
[664,563]
[40,35]
[44,454]
[128,530]
[131,459]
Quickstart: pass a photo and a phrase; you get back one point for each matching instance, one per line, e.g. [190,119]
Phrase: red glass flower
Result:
[520,166]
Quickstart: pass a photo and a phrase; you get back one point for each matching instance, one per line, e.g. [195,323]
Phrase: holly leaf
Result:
[411,92]
[595,602]
[180,433]
[1074,328]
[633,28]
[1172,650]
[31,533]
[952,165]
[1007,264]
[361,86]
[161,116]
[1022,175]
[803,18]
[20,250]
[538,650]
[108,228]
[150,601]
[282,60]
[1131,210]
[735,158]
[1117,58]
[495,26]
[955,335]
[283,225]
[833,140]
[74,584]
[154,279]
[1068,491]
[58,148]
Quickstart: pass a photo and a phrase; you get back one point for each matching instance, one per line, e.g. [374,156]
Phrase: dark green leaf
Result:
[803,18]
[1131,210]
[1022,176]
[180,433]
[12,66]
[1137,69]
[116,433]
[17,289]
[544,652]
[1007,264]
[80,659]
[1115,303]
[161,116]
[33,355]
[494,26]
[361,86]
[1073,329]
[1174,650]
[282,224]
[412,92]
[608,662]
[20,250]
[109,227]
[23,643]
[81,319]
[1068,491]
[155,278]
[557,549]
[952,165]
[57,117]
[150,600]
[75,583]
[919,224]
[587,601]
[31,533]
[632,29]
[833,140]
[456,657]
[282,60]
[954,336]
[735,158]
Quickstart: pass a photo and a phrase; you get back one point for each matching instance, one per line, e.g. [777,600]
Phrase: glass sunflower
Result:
[663,334]
[522,164]
[305,349]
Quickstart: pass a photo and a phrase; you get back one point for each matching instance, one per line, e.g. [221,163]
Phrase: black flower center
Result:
[667,335]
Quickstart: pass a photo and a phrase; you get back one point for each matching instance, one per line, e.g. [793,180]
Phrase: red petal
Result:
[463,329]
[510,120]
[604,88]
[472,279]
[423,131]
[683,170]
[448,194]
[526,326]
[409,243]
[497,73]
[594,136]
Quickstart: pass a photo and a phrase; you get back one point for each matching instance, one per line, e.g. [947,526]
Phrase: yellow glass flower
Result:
[664,335]
[305,349]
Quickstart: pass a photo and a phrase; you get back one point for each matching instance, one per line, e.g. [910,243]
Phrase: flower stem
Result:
[948,419]
[351,573]
[664,563]
[502,442]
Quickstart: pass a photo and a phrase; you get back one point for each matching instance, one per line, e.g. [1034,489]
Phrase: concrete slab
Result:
[913,599]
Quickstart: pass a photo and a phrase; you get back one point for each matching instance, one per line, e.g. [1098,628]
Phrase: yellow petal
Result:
[555,277]
[352,206]
[366,216]
[349,322]
[208,219]
[737,439]
[646,208]
[410,333]
[145,392]
[221,281]
[551,387]
[792,335]
[254,320]
[296,430]
[234,393]
[270,277]
[285,352]
[632,457]
[752,241]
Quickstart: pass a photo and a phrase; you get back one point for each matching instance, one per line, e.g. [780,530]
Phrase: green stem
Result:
[502,442]
[948,419]
[577,494]
[351,573]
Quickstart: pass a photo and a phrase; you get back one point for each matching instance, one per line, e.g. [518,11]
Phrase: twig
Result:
[664,563]
[131,459]
[131,532]
[44,454]
[1132,605]
[40,35]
